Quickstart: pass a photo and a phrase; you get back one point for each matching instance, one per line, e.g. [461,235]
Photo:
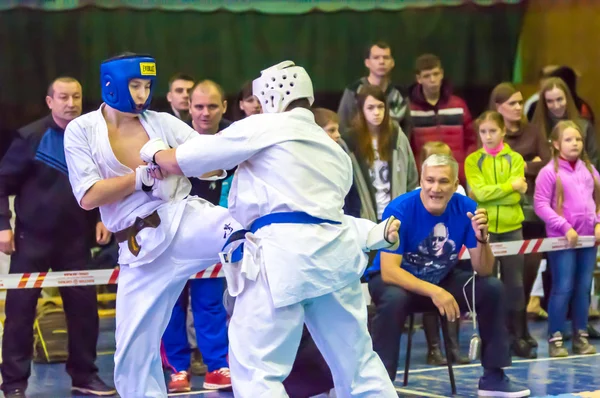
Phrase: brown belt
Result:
[129,234]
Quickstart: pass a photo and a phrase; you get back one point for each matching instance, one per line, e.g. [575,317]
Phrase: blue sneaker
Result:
[497,384]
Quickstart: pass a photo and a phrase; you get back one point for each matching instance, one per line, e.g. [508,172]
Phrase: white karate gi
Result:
[188,240]
[292,273]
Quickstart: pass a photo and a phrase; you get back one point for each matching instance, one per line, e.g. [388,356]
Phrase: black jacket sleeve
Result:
[14,168]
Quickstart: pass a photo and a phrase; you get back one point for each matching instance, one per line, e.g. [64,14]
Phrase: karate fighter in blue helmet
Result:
[300,259]
[165,236]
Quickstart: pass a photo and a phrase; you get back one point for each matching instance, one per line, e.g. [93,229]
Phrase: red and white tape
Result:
[501,249]
[111,276]
[81,278]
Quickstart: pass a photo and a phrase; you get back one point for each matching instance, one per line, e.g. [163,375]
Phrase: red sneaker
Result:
[217,379]
[180,382]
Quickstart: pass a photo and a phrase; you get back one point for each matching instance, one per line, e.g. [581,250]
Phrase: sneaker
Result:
[581,345]
[556,348]
[15,393]
[95,386]
[497,384]
[180,382]
[217,379]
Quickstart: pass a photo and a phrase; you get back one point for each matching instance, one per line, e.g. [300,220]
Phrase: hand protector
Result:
[143,180]
[377,238]
[166,189]
[151,148]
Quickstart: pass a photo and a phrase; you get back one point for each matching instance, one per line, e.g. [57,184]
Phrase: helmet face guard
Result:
[282,84]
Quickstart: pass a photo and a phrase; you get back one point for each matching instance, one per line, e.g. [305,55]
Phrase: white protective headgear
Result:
[281,84]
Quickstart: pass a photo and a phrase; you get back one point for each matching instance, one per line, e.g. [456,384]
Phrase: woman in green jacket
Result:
[496,175]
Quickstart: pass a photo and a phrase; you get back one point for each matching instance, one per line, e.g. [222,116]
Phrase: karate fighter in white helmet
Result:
[301,259]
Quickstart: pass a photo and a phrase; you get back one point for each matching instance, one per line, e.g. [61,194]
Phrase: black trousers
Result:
[393,304]
[532,230]
[80,304]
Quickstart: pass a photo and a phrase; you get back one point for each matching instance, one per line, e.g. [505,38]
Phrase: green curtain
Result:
[264,6]
[477,45]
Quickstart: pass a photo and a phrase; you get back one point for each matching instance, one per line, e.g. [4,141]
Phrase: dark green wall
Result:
[477,46]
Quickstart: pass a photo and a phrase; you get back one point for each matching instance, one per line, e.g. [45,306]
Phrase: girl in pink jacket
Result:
[566,198]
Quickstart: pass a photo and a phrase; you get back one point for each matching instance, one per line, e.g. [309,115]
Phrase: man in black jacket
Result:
[51,232]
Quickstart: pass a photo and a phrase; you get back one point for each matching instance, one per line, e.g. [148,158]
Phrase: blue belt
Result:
[296,217]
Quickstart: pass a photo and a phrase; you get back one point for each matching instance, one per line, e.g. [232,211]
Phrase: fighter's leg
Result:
[203,232]
[146,296]
[338,324]
[263,342]
[371,236]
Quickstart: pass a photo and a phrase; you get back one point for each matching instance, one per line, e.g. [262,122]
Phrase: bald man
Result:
[207,105]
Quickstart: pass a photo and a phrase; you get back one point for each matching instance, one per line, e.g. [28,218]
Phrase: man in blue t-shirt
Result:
[422,272]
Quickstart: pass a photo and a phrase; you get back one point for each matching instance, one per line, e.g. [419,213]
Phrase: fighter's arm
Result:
[104,192]
[205,153]
[375,236]
[89,188]
[179,133]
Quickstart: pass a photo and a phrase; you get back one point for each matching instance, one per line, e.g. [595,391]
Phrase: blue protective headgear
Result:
[115,75]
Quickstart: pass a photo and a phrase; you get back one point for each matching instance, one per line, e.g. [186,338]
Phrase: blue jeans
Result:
[210,322]
[572,272]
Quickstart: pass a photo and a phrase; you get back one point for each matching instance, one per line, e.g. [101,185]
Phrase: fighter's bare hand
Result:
[446,304]
[479,222]
[102,234]
[392,231]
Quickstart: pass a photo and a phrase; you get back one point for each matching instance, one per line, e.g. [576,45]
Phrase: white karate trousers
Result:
[146,296]
[263,342]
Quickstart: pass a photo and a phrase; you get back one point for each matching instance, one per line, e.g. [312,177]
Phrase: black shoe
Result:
[528,338]
[435,357]
[95,386]
[593,334]
[16,393]
[455,357]
[458,359]
[516,323]
[432,336]
[522,349]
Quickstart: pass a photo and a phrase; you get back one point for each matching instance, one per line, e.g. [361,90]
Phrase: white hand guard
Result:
[377,238]
[143,180]
[166,189]
[151,148]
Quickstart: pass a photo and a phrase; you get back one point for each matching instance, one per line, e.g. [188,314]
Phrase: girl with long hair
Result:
[556,104]
[567,199]
[385,159]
